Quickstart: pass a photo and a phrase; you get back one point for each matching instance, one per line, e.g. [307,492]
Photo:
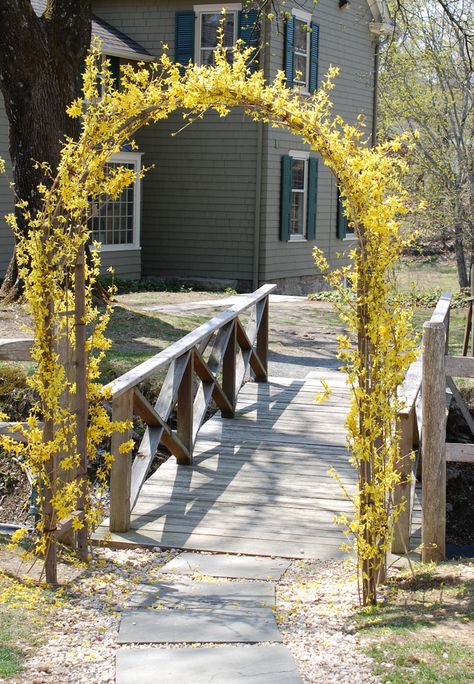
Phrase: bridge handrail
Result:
[194,378]
[136,375]
[232,347]
[409,426]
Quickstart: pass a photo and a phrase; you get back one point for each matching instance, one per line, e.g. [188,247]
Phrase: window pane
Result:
[114,223]
[209,27]
[300,69]
[297,174]
[301,36]
[297,213]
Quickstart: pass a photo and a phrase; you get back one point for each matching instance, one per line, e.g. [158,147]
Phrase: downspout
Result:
[375,105]
[258,177]
[258,208]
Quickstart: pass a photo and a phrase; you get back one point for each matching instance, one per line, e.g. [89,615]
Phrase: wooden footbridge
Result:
[254,478]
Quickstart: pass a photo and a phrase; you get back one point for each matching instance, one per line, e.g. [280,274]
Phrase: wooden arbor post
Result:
[81,398]
[121,473]
[434,443]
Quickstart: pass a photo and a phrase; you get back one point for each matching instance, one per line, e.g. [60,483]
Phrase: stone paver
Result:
[236,567]
[225,665]
[199,625]
[191,594]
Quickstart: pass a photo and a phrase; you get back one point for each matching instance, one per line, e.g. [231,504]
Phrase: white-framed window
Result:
[116,224]
[299,194]
[208,21]
[301,49]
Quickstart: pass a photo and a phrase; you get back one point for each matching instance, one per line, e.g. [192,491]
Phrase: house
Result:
[231,201]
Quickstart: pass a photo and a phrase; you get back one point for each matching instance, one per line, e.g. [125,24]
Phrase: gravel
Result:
[315,604]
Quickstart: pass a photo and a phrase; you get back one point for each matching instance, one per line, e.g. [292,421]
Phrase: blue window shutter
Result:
[184,46]
[289,51]
[249,33]
[312,198]
[285,198]
[314,58]
[115,70]
[341,219]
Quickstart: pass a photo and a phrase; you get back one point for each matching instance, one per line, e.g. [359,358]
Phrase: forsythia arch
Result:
[373,199]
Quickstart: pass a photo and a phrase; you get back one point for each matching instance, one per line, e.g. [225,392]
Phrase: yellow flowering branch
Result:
[48,254]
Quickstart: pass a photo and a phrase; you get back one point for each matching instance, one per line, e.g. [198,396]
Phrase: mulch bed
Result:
[14,491]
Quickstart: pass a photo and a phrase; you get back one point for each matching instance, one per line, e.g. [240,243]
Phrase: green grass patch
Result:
[423,662]
[136,336]
[424,629]
[422,274]
[24,612]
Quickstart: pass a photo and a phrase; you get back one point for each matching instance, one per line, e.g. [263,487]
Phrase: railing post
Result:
[434,443]
[120,476]
[229,370]
[403,490]
[184,410]
[471,306]
[262,340]
[82,405]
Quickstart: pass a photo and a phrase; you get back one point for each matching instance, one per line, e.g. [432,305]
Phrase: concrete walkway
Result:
[221,605]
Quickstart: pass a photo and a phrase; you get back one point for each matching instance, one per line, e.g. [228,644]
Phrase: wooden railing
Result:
[410,425]
[210,363]
[439,369]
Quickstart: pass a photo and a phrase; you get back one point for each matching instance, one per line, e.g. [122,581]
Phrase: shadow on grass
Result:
[424,600]
[137,336]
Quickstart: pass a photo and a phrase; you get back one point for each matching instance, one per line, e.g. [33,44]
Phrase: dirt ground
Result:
[14,322]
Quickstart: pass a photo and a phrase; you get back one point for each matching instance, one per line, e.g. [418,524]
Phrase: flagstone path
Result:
[204,603]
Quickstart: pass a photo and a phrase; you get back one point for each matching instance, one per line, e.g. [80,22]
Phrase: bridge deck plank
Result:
[259,483]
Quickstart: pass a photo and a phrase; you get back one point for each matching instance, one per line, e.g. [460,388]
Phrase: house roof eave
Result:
[382,24]
[115,43]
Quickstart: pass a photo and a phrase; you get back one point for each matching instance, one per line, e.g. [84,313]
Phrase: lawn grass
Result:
[423,631]
[24,613]
[457,325]
[138,335]
[426,275]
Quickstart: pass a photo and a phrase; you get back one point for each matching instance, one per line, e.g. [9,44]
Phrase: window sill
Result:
[300,91]
[297,238]
[350,238]
[119,248]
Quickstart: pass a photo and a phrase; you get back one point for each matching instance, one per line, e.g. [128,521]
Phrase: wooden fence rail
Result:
[210,363]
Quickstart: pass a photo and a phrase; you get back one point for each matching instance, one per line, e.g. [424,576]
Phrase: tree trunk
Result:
[40,74]
[460,255]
